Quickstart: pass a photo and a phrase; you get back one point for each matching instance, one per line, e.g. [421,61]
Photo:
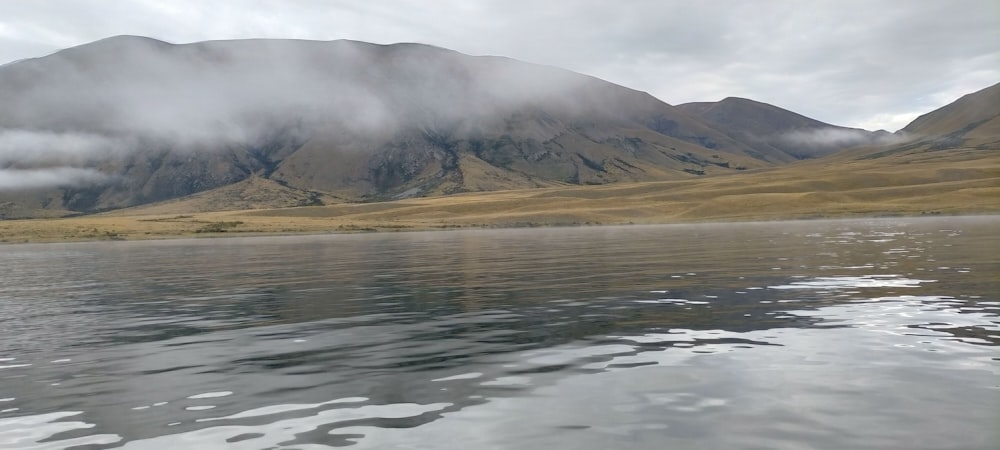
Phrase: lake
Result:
[879,333]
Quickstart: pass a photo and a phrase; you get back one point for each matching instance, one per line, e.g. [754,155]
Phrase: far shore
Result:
[810,190]
[250,224]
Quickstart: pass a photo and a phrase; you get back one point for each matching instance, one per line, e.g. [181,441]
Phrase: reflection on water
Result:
[838,334]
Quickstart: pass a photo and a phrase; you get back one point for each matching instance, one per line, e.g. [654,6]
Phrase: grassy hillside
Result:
[959,181]
[775,131]
[587,154]
[148,121]
[973,115]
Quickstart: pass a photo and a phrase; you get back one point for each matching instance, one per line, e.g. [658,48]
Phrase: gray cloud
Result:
[17,179]
[853,63]
[40,147]
[833,137]
[133,94]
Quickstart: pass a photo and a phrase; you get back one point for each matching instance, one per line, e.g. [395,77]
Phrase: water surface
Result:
[821,334]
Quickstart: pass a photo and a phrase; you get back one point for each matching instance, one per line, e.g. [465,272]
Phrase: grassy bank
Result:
[805,191]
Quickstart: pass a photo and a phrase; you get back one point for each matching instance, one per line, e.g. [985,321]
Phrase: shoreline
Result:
[808,190]
[127,234]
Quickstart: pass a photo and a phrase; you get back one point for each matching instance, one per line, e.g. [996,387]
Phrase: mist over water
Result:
[824,334]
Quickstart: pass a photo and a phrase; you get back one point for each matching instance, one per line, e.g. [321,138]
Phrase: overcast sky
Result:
[869,64]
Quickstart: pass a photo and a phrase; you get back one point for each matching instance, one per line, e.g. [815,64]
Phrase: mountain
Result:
[973,116]
[966,129]
[777,132]
[256,124]
[131,120]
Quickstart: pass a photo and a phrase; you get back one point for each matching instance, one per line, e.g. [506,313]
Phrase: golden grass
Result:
[813,189]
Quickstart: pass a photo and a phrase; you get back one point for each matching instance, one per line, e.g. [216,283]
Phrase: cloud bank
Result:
[24,179]
[35,147]
[229,93]
[33,159]
[872,65]
[110,99]
[839,138]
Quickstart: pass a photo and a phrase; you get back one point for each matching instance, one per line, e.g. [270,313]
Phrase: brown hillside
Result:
[975,115]
[359,120]
[776,131]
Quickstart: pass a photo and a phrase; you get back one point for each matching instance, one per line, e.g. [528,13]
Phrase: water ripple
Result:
[784,335]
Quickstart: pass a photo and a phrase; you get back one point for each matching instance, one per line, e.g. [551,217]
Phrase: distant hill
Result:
[975,115]
[968,128]
[251,193]
[251,124]
[775,131]
[152,121]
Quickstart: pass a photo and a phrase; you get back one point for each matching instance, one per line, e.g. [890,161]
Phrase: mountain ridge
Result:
[357,121]
[783,131]
[977,109]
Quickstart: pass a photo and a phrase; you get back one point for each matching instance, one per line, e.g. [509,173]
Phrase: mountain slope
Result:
[778,131]
[249,194]
[966,129]
[975,115]
[153,121]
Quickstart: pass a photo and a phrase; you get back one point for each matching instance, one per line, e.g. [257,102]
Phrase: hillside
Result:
[776,131]
[807,190]
[974,116]
[142,121]
[158,128]
[251,193]
[923,176]
[966,129]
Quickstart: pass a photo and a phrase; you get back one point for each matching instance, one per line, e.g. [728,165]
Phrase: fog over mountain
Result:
[87,99]
[367,121]
[131,120]
[22,179]
[769,127]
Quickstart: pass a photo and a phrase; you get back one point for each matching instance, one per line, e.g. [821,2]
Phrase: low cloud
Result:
[128,91]
[113,98]
[23,179]
[842,62]
[33,147]
[837,137]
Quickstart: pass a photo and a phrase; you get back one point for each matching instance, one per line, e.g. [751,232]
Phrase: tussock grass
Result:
[814,189]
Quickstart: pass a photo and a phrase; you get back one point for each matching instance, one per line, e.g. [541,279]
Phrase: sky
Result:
[867,64]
